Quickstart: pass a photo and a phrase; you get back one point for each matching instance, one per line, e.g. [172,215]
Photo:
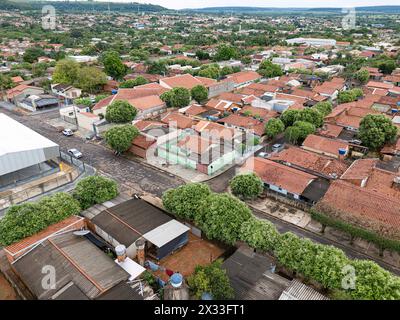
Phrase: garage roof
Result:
[166,233]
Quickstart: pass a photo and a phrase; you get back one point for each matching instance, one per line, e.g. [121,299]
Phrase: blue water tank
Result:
[342,151]
[176,280]
[114,91]
[395,110]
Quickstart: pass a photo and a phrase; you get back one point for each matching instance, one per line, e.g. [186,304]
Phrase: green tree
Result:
[274,127]
[376,130]
[259,234]
[362,76]
[113,65]
[120,111]
[269,70]
[139,55]
[5,82]
[222,217]
[90,79]
[32,54]
[211,279]
[95,190]
[324,107]
[225,52]
[66,72]
[349,95]
[299,131]
[120,138]
[310,115]
[185,201]
[246,186]
[199,93]
[211,72]
[157,67]
[289,117]
[176,98]
[24,220]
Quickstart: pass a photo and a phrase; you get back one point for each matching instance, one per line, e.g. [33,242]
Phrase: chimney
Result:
[396,183]
[140,253]
[120,250]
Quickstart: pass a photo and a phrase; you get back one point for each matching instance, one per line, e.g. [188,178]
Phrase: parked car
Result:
[277,147]
[67,132]
[75,153]
[264,155]
[90,136]
[355,141]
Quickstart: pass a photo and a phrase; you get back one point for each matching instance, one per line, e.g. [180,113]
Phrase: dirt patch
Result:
[6,291]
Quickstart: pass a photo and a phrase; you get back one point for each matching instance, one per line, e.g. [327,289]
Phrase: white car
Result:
[75,153]
[67,132]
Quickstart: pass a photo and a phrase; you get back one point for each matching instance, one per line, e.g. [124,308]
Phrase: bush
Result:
[246,186]
[221,217]
[94,190]
[21,221]
[120,112]
[274,127]
[211,279]
[259,234]
[185,201]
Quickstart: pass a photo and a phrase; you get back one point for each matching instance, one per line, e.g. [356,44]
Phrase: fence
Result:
[48,185]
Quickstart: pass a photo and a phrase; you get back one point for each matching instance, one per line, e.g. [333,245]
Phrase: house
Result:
[82,270]
[66,92]
[243,123]
[17,80]
[177,120]
[198,152]
[325,146]
[22,91]
[281,178]
[310,162]
[123,222]
[185,81]
[38,102]
[146,99]
[252,277]
[330,89]
[140,145]
[243,78]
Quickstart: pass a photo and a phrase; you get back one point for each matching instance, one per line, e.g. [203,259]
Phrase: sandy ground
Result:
[6,291]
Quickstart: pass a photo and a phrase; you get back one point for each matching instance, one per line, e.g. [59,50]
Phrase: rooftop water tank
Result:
[176,280]
[120,250]
[342,151]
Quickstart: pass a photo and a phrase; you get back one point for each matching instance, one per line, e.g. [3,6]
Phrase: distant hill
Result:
[239,10]
[80,6]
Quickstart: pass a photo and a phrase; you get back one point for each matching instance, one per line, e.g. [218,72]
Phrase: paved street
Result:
[129,173]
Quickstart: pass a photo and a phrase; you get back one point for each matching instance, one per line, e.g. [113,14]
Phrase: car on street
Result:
[263,155]
[67,132]
[75,153]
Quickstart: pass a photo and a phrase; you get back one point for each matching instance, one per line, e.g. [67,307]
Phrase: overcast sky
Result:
[180,4]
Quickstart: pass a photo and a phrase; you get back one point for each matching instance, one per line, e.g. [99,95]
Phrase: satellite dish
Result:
[81,232]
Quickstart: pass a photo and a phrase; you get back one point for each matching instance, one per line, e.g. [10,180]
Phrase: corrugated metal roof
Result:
[130,220]
[299,291]
[166,233]
[74,258]
[121,291]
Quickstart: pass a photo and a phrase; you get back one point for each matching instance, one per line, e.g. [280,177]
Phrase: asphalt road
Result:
[131,174]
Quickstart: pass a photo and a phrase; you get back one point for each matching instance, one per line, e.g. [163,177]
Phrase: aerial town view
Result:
[199,151]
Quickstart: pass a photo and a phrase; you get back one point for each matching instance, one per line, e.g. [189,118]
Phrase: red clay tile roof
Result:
[310,160]
[324,144]
[330,130]
[178,120]
[194,110]
[243,77]
[232,97]
[214,130]
[186,81]
[362,206]
[240,121]
[379,85]
[143,142]
[292,180]
[359,169]
[195,144]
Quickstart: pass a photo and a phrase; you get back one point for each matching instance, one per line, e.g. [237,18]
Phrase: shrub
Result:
[120,138]
[246,186]
[185,201]
[94,190]
[211,279]
[21,221]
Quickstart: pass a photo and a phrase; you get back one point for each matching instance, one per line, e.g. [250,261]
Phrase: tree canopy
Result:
[119,138]
[199,93]
[246,186]
[176,97]
[375,130]
[274,127]
[113,65]
[269,70]
[120,111]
